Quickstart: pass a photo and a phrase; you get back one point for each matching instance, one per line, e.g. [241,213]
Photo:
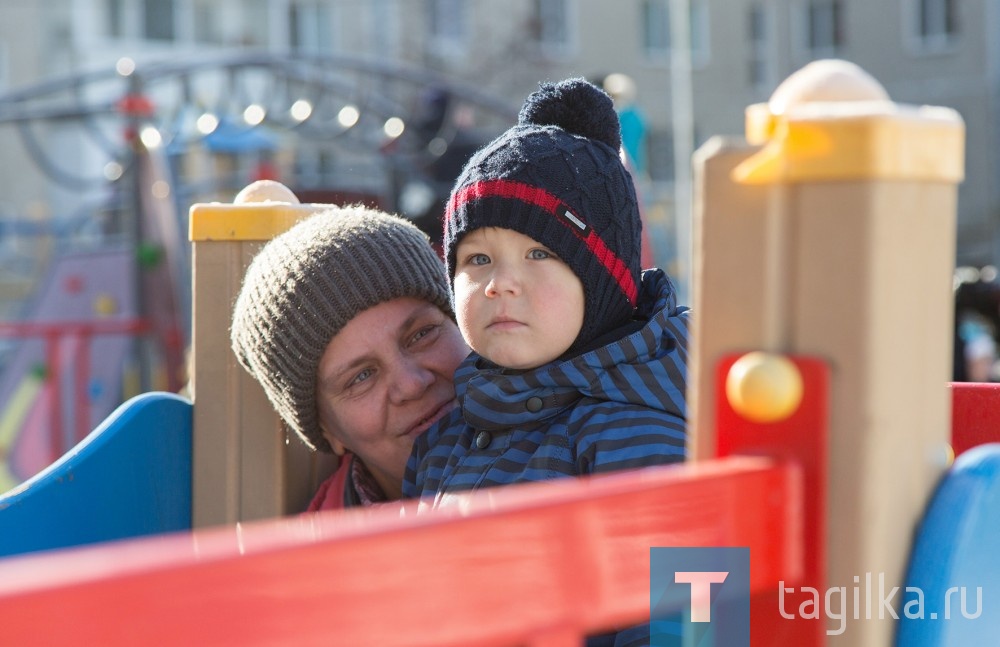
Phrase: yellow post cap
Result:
[259,212]
[831,120]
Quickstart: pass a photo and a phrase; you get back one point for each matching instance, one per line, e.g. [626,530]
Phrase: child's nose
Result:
[503,280]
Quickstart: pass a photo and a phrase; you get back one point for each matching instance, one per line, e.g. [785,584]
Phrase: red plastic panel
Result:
[800,439]
[975,415]
[513,565]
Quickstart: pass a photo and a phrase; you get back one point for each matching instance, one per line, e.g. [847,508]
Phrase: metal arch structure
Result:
[110,110]
[24,103]
[107,103]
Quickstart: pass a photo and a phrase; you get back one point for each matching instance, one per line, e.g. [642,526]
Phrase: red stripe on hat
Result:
[502,189]
[617,268]
[548,203]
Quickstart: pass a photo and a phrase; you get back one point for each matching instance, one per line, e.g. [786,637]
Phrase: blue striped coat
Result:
[620,406]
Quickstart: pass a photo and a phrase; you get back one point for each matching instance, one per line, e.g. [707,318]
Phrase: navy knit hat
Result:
[557,177]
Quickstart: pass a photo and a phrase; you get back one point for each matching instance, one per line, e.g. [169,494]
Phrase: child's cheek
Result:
[464,305]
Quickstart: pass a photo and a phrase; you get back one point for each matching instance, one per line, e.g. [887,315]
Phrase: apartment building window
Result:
[550,22]
[446,19]
[935,22]
[824,27]
[660,148]
[147,19]
[207,21]
[4,66]
[761,70]
[385,24]
[655,21]
[310,27]
[252,31]
[116,18]
[699,32]
[655,30]
[158,19]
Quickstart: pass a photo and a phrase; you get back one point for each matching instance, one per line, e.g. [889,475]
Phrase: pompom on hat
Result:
[557,177]
[306,284]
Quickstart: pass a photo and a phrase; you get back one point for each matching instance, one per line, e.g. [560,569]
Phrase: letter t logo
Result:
[701,591]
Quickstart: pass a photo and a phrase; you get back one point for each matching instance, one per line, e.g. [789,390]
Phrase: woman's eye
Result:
[421,334]
[540,254]
[361,377]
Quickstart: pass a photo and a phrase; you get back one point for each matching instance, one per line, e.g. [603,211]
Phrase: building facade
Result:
[942,52]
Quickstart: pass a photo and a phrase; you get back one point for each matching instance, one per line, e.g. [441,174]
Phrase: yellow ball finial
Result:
[764,387]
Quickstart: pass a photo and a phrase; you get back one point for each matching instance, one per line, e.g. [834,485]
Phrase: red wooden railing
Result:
[535,564]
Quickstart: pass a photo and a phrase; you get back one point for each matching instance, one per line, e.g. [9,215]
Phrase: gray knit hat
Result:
[306,284]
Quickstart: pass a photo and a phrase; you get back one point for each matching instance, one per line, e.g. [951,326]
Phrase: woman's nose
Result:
[410,380]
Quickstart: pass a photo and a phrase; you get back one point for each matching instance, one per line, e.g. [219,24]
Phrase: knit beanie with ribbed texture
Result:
[557,177]
[306,284]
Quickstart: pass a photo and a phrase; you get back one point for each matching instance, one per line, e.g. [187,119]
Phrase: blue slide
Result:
[950,599]
[131,476]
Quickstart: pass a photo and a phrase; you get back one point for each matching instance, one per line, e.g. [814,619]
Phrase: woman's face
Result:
[384,379]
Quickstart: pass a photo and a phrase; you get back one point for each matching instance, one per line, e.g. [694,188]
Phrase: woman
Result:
[346,322]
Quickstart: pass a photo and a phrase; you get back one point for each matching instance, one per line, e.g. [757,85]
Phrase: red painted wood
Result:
[63,328]
[975,414]
[801,440]
[514,564]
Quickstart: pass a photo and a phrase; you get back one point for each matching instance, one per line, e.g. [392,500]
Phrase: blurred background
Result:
[117,115]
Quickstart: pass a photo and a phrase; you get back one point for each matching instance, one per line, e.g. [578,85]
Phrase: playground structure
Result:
[103,323]
[825,242]
[79,337]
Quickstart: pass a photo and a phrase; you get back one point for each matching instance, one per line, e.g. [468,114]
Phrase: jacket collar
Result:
[493,398]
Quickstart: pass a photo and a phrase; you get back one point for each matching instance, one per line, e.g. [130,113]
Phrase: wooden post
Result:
[246,464]
[836,239]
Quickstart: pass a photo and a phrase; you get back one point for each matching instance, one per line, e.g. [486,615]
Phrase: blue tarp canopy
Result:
[235,139]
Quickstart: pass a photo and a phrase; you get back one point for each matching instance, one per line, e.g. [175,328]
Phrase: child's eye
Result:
[479,259]
[540,254]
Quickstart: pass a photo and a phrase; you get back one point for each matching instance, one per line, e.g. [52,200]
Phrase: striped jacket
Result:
[617,407]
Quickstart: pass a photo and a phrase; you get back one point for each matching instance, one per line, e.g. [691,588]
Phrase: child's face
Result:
[517,304]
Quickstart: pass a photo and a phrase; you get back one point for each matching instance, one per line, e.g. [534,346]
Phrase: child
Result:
[579,363]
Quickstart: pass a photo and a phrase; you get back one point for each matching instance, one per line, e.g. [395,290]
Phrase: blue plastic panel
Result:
[957,552]
[131,476]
